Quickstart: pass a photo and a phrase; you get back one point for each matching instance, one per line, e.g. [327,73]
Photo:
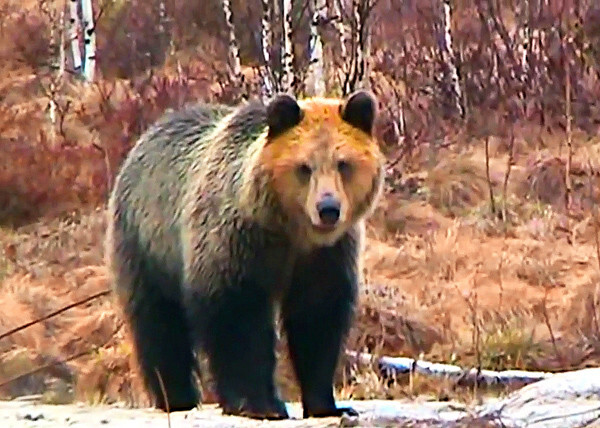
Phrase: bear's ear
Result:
[283,113]
[359,110]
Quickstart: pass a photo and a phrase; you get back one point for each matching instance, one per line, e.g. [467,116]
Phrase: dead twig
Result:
[549,326]
[58,362]
[487,174]
[53,314]
[597,245]
[509,163]
[164,393]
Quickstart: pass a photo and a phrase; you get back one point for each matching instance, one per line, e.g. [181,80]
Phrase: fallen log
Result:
[394,366]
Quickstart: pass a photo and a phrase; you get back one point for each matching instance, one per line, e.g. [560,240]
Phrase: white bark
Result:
[74,25]
[356,42]
[402,120]
[448,56]
[315,84]
[235,67]
[525,47]
[267,36]
[89,40]
[341,30]
[287,53]
[164,31]
[358,72]
[366,46]
[162,17]
[57,50]
[399,365]
[61,46]
[526,36]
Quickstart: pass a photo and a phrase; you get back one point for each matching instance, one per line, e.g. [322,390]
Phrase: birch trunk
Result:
[57,69]
[356,51]
[525,37]
[267,37]
[341,30]
[89,40]
[235,68]
[162,17]
[167,47]
[358,71]
[365,44]
[449,60]
[74,25]
[62,56]
[315,85]
[343,67]
[287,52]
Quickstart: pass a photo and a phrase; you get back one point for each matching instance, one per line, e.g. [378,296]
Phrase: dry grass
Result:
[428,289]
[447,279]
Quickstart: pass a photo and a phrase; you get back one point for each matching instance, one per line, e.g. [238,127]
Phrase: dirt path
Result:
[21,414]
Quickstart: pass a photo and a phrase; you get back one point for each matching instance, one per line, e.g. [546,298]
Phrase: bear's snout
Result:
[329,209]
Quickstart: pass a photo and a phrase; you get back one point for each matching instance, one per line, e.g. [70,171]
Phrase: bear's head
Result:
[322,163]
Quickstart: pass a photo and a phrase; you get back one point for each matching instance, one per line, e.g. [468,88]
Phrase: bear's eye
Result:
[304,171]
[344,167]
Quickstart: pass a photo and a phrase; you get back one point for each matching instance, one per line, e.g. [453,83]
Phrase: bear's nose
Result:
[329,210]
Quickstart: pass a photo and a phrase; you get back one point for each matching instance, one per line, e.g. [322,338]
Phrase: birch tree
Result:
[365,43]
[164,31]
[525,46]
[235,68]
[341,31]
[450,72]
[266,38]
[56,19]
[74,26]
[525,37]
[89,40]
[357,53]
[358,71]
[287,52]
[316,85]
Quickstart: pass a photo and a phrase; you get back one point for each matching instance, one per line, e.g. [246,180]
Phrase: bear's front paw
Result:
[334,411]
[273,411]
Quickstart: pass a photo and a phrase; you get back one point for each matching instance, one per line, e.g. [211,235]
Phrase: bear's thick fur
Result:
[220,215]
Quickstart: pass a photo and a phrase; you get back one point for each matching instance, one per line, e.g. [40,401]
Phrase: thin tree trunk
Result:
[357,53]
[341,30]
[89,40]
[74,25]
[267,37]
[568,185]
[316,69]
[287,53]
[366,44]
[526,37]
[447,51]
[235,68]
[359,70]
[166,47]
[57,50]
[62,56]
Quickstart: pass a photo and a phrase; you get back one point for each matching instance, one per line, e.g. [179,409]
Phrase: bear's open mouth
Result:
[323,228]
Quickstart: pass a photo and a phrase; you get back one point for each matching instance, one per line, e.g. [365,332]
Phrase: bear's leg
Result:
[238,336]
[316,314]
[162,340]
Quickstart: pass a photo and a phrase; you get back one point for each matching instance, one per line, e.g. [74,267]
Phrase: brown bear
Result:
[219,218]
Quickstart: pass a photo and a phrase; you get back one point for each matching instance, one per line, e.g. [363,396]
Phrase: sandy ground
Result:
[28,413]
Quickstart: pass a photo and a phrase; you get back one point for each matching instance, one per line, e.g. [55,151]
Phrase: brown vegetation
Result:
[466,264]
